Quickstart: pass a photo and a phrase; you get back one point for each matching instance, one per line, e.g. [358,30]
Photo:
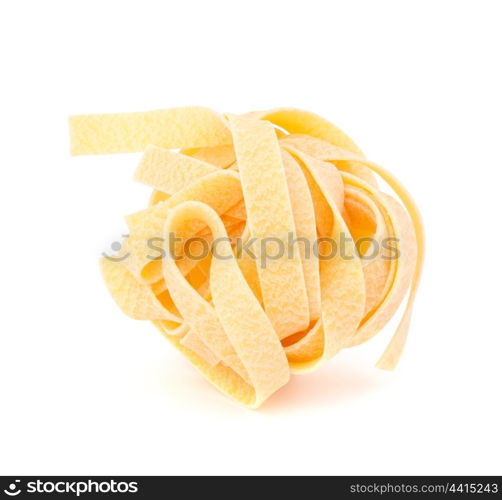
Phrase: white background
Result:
[85,390]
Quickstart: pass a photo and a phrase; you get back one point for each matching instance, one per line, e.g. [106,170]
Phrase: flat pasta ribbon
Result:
[275,246]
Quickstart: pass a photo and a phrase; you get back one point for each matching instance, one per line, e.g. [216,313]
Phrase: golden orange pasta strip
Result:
[376,267]
[404,234]
[297,121]
[342,278]
[390,357]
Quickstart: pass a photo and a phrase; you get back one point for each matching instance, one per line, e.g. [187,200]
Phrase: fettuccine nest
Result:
[256,182]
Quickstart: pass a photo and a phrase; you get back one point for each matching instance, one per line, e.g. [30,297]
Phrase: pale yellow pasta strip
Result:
[323,150]
[170,172]
[134,298]
[245,324]
[304,217]
[219,156]
[170,328]
[221,376]
[197,312]
[131,132]
[157,197]
[269,215]
[193,342]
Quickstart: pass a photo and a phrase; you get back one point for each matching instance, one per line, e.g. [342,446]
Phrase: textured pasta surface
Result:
[275,246]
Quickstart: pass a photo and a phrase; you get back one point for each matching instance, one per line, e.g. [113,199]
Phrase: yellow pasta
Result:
[268,245]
